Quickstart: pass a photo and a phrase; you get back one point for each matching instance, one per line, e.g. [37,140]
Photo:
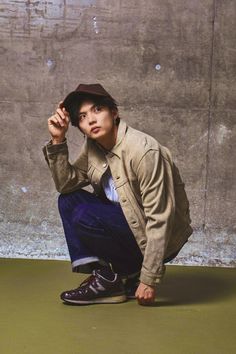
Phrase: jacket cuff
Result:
[152,279]
[56,148]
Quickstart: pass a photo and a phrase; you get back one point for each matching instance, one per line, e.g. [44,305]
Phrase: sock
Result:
[106,272]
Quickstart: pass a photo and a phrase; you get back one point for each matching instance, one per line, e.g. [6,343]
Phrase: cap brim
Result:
[74,96]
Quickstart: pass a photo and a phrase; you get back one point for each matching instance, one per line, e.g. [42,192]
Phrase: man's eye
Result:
[81,117]
[97,109]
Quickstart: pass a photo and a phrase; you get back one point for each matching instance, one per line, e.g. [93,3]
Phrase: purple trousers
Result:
[96,231]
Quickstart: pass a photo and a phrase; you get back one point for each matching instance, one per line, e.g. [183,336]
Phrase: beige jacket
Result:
[150,190]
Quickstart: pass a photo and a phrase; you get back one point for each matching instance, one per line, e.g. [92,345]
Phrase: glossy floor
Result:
[195,314]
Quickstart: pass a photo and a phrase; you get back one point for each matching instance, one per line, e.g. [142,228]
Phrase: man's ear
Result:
[115,113]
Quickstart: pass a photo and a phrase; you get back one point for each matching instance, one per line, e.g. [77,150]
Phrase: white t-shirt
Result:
[109,187]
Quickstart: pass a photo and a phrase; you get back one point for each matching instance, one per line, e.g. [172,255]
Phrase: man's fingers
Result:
[53,121]
[56,120]
[67,116]
[60,112]
[61,107]
[60,120]
[149,294]
[145,294]
[143,301]
[146,298]
[60,104]
[63,117]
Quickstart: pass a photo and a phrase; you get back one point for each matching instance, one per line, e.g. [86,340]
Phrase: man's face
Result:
[96,122]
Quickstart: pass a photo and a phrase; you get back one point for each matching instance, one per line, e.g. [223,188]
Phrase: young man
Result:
[136,220]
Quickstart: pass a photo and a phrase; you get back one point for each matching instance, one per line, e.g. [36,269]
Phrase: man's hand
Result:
[145,294]
[58,124]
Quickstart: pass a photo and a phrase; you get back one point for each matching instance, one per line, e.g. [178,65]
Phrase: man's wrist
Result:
[56,141]
[147,285]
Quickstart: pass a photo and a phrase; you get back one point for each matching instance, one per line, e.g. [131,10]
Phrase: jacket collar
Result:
[122,128]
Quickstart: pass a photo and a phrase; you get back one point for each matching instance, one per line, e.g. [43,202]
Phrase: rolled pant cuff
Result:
[83,265]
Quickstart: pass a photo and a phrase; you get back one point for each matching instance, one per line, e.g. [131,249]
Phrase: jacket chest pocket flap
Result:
[94,175]
[119,181]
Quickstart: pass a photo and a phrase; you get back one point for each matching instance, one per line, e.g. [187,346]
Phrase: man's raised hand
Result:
[58,124]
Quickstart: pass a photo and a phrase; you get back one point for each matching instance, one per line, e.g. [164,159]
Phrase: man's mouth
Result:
[95,130]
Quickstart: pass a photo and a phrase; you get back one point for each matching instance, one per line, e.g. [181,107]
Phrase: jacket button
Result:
[133,222]
[104,165]
[117,177]
[123,200]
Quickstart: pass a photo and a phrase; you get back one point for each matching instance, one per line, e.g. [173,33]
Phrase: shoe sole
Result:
[99,300]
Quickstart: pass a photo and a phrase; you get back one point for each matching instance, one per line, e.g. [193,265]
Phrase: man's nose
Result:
[91,118]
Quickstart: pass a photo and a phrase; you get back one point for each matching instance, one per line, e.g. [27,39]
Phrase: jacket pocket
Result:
[94,176]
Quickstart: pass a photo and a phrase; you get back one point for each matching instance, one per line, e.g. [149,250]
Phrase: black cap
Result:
[92,89]
[73,99]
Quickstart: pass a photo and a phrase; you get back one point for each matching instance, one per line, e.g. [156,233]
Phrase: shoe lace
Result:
[90,280]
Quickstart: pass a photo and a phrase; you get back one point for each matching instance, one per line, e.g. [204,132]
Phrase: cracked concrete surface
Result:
[170,65]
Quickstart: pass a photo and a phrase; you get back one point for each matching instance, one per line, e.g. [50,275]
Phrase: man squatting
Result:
[136,220]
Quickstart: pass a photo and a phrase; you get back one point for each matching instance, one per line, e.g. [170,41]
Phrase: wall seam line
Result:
[210,111]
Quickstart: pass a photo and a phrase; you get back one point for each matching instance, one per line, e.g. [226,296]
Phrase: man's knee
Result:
[82,215]
[63,204]
[68,201]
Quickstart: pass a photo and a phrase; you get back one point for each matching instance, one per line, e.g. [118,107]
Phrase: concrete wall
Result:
[170,64]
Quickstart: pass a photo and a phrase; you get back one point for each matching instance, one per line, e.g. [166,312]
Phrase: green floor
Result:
[195,314]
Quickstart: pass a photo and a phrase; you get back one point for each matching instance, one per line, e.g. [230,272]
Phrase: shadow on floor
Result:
[196,287]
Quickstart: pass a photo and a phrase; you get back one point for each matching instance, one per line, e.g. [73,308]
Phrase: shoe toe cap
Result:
[67,295]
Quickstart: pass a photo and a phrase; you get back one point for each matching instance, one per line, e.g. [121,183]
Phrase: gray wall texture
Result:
[171,65]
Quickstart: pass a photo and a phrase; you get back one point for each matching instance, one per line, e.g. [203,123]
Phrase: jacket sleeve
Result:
[154,175]
[67,177]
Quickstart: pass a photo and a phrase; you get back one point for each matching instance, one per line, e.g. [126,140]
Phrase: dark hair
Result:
[74,106]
